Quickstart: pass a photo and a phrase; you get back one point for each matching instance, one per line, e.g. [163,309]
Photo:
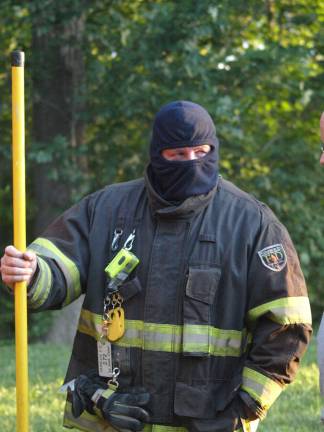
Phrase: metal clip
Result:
[114,244]
[129,242]
[113,381]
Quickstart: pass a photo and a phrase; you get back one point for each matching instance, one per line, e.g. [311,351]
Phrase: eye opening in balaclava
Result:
[173,156]
[183,124]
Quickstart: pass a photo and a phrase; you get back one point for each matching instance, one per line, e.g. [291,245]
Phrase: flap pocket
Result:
[130,288]
[202,283]
[201,288]
[203,400]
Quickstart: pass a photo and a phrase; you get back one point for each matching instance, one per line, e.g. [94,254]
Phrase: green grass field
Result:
[296,410]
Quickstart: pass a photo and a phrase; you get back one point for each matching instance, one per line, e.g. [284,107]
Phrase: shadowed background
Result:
[96,72]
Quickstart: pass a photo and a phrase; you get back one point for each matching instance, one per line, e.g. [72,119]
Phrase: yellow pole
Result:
[19,211]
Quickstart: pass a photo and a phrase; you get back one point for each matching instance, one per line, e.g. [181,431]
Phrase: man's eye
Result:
[179,154]
[200,153]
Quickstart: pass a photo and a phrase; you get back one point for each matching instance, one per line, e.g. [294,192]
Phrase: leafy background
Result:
[96,72]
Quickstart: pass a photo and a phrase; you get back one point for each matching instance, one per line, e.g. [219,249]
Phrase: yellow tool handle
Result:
[19,211]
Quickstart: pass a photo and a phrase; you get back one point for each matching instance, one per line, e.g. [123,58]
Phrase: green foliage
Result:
[297,409]
[258,68]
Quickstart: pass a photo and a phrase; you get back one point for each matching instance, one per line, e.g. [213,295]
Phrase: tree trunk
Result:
[57,131]
[57,104]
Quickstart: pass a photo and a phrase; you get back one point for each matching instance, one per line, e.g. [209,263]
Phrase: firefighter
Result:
[202,315]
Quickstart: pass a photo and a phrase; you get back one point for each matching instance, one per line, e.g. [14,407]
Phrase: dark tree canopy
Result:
[96,72]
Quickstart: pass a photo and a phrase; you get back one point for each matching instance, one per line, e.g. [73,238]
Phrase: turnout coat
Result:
[217,303]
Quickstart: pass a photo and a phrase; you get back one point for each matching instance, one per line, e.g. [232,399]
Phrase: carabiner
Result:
[129,242]
[114,244]
[113,381]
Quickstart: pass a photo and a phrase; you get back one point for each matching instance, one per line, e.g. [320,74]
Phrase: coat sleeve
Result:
[278,316]
[63,257]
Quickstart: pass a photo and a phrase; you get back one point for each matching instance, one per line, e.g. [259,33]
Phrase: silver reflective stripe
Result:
[90,324]
[170,338]
[41,288]
[151,336]
[44,247]
[208,339]
[287,310]
[260,387]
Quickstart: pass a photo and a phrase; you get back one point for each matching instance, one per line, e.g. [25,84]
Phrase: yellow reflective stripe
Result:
[86,422]
[161,428]
[42,285]
[288,310]
[199,338]
[260,387]
[168,337]
[90,324]
[92,423]
[108,392]
[45,247]
[151,336]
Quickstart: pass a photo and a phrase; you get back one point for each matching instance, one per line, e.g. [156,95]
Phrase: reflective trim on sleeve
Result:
[288,310]
[92,423]
[40,290]
[260,387]
[45,247]
[170,338]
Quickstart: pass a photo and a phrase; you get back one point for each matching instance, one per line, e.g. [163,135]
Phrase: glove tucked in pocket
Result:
[124,410]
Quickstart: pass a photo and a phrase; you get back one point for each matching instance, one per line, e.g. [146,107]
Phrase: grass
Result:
[296,410]
[47,366]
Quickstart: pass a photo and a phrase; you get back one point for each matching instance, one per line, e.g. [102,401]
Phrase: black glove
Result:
[250,408]
[84,388]
[123,410]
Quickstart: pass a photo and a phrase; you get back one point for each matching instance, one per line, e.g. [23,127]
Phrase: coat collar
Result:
[185,209]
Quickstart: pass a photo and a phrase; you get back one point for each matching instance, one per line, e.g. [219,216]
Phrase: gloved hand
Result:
[122,409]
[85,387]
[250,409]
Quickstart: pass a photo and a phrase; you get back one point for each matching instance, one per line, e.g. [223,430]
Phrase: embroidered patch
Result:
[273,257]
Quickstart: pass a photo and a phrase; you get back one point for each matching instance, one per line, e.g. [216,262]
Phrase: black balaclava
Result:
[183,124]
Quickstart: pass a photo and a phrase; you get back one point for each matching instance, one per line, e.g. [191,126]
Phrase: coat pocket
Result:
[201,288]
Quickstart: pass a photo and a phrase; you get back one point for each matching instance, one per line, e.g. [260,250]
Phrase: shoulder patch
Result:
[273,257]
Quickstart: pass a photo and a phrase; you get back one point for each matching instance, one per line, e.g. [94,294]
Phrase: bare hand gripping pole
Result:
[19,213]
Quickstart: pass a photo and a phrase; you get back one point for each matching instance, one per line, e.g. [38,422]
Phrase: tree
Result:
[256,66]
[58,103]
